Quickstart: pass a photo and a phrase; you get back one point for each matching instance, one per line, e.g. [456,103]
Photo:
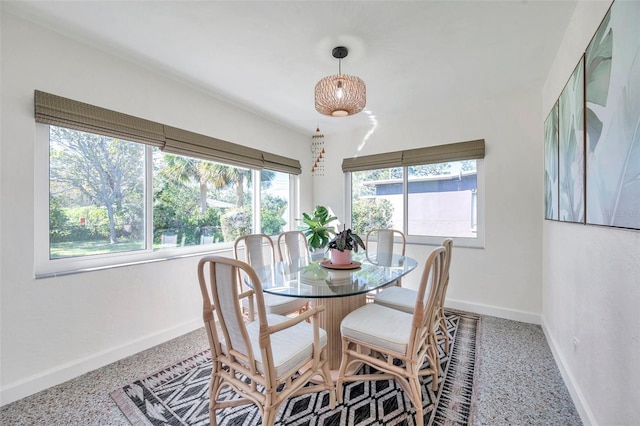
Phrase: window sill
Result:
[75,266]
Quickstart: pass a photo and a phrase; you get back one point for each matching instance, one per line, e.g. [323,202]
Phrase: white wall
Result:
[503,279]
[57,328]
[591,281]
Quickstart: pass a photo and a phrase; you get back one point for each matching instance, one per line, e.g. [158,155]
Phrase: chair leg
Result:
[434,376]
[434,361]
[269,416]
[214,385]
[326,375]
[416,398]
[343,370]
[445,332]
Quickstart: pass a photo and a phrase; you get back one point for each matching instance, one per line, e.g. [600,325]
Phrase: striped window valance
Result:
[412,157]
[207,148]
[64,112]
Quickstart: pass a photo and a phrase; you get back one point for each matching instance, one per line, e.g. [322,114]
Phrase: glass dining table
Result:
[341,289]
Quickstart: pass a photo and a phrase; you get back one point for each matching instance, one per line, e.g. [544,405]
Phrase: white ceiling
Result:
[268,55]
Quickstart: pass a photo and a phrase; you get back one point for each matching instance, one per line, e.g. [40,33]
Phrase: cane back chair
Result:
[396,344]
[260,360]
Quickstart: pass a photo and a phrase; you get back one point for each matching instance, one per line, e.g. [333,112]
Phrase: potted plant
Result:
[316,227]
[342,244]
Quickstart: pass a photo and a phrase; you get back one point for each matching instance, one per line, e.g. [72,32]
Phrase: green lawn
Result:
[88,248]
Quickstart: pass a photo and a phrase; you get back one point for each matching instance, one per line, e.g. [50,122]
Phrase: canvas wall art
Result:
[613,119]
[551,164]
[571,148]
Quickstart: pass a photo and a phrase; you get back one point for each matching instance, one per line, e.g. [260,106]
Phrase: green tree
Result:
[186,170]
[272,210]
[102,170]
[236,222]
[174,205]
[206,173]
[360,179]
[370,213]
[467,165]
[58,219]
[430,169]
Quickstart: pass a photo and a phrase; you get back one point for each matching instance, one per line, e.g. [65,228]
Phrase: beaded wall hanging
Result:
[317,149]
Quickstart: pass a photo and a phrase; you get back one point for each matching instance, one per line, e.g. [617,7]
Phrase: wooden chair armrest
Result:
[313,312]
[248,293]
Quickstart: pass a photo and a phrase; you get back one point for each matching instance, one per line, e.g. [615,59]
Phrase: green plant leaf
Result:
[315,227]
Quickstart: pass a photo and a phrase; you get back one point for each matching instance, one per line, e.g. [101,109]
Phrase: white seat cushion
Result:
[378,325]
[291,347]
[280,305]
[399,298]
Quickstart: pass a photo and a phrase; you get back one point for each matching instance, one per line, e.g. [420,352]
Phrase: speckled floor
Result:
[518,380]
[518,383]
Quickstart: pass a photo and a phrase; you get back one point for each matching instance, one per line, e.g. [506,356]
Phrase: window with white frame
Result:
[428,200]
[108,200]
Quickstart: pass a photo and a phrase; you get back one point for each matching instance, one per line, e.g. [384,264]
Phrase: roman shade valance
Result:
[59,111]
[469,150]
[183,142]
[64,112]
[428,155]
[370,162]
[281,164]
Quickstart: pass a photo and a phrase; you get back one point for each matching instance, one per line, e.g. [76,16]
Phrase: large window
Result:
[96,194]
[97,202]
[428,202]
[114,190]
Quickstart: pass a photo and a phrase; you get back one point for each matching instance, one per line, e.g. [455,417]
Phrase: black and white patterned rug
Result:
[178,394]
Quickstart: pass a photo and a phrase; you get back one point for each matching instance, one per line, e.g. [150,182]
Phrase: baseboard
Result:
[576,395]
[65,372]
[494,311]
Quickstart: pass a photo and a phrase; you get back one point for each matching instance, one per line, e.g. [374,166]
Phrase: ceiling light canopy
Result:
[340,95]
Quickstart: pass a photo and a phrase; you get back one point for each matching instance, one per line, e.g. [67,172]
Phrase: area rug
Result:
[178,394]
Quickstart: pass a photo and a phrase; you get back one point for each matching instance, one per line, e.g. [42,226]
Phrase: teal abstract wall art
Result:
[571,148]
[551,164]
[613,119]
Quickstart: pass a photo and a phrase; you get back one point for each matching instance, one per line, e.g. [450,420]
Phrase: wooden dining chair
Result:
[384,246]
[262,361]
[293,245]
[254,247]
[381,244]
[403,299]
[395,343]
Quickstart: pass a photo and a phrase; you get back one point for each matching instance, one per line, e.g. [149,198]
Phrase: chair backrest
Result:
[424,313]
[448,246]
[293,245]
[254,246]
[384,247]
[221,301]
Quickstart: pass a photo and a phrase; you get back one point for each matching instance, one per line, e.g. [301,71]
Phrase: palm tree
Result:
[186,170]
